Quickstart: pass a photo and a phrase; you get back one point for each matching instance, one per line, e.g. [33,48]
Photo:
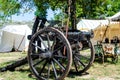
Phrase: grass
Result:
[20,73]
[98,71]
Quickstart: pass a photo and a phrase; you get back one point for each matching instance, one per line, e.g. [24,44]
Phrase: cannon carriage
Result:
[52,55]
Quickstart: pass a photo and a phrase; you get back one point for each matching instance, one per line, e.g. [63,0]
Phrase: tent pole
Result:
[21,41]
[109,30]
[105,32]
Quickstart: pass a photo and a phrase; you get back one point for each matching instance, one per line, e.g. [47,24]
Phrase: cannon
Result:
[51,53]
[54,52]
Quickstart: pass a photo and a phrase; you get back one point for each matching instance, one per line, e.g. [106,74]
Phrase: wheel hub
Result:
[47,54]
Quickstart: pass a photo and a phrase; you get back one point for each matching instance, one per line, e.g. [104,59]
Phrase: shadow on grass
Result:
[74,74]
[25,69]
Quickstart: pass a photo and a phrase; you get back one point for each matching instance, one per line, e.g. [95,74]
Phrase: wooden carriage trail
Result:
[12,66]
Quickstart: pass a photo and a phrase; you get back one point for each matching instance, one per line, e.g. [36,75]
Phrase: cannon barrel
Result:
[79,35]
[89,34]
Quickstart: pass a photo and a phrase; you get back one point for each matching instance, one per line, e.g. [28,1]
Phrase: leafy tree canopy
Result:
[85,8]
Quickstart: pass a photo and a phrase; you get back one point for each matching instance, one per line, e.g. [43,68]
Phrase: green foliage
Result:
[85,8]
[96,8]
[8,8]
[43,5]
[11,7]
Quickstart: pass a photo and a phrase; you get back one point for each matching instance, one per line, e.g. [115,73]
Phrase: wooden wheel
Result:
[83,57]
[49,54]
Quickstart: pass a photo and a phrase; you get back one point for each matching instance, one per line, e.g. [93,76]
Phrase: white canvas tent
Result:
[115,17]
[14,36]
[100,28]
[107,31]
[87,24]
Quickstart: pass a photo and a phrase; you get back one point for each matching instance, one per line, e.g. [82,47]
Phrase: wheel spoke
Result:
[48,42]
[59,48]
[38,47]
[43,42]
[43,66]
[53,45]
[59,64]
[38,62]
[60,56]
[55,72]
[80,61]
[75,65]
[48,70]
